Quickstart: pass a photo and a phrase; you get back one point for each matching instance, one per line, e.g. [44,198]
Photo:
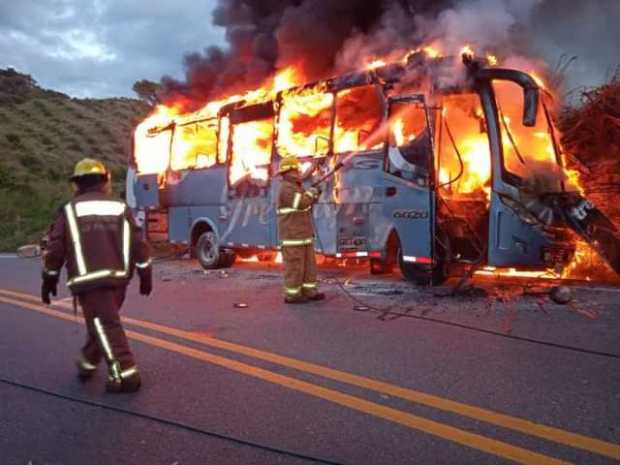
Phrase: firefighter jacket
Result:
[295,214]
[97,239]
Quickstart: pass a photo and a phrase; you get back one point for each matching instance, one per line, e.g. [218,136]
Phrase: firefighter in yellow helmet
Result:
[296,232]
[96,238]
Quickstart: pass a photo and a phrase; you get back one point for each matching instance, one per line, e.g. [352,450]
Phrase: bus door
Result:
[526,168]
[408,197]
[250,211]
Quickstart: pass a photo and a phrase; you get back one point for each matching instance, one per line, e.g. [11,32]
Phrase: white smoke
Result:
[483,24]
[495,26]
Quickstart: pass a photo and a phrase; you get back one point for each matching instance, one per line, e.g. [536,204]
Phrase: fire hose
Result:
[330,173]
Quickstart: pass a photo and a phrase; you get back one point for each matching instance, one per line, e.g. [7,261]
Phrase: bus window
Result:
[528,152]
[464,155]
[304,124]
[359,113]
[194,146]
[222,144]
[409,151]
[251,151]
[152,151]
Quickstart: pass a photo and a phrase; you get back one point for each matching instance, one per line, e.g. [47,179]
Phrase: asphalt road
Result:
[494,377]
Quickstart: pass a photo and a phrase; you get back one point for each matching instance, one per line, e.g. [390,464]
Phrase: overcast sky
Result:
[99,48]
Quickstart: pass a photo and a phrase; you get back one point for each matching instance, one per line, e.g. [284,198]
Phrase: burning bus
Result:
[435,167]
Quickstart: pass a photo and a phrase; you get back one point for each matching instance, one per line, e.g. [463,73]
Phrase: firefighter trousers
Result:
[106,337]
[299,270]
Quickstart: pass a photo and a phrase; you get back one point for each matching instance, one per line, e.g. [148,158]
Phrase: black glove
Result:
[146,280]
[48,286]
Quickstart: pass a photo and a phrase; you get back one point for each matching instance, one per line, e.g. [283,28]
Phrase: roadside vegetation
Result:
[42,134]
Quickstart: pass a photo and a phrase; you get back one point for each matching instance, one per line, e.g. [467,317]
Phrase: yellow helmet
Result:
[287,164]
[88,166]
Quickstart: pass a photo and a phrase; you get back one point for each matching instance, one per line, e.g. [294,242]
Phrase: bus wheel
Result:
[207,250]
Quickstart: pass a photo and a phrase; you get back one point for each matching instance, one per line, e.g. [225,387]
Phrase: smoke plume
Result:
[324,37]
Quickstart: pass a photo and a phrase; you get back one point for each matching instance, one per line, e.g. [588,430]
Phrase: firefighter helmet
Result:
[89,166]
[287,164]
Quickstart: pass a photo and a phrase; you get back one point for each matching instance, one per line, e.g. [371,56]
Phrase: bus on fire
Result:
[436,173]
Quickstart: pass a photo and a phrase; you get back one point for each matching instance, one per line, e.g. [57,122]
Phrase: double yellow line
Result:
[472,440]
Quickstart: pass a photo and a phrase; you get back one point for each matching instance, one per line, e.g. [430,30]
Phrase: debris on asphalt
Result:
[240,305]
[590,314]
[268,276]
[561,294]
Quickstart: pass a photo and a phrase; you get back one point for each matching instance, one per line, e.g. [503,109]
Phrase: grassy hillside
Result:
[42,134]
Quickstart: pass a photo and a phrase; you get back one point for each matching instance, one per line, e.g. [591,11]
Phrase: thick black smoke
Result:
[265,35]
[324,37]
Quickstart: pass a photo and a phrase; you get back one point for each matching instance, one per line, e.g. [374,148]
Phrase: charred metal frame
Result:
[479,81]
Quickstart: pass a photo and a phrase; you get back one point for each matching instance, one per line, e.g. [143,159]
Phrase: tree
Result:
[147,91]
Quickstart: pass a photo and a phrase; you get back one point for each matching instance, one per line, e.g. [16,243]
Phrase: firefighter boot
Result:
[295,299]
[86,370]
[123,381]
[315,296]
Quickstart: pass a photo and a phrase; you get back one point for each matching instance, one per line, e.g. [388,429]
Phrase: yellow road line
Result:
[465,438]
[521,425]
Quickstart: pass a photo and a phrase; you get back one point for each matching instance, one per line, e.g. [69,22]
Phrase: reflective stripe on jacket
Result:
[97,238]
[294,210]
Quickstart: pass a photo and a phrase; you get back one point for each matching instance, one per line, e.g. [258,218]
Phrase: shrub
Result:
[28,160]
[13,139]
[47,141]
[74,145]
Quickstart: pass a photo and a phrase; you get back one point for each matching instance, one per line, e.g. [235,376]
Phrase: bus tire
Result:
[207,251]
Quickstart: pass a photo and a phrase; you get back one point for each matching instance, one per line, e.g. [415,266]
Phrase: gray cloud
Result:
[588,30]
[99,48]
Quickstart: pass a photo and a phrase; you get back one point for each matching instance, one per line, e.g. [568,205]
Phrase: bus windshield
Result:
[529,153]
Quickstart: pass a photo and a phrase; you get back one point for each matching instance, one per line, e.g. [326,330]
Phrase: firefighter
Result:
[97,239]
[296,233]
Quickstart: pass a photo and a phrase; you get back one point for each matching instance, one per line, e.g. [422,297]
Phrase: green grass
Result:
[42,135]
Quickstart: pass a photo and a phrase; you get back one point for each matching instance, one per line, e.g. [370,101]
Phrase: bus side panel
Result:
[199,188]
[325,220]
[380,228]
[198,196]
[145,191]
[212,215]
[178,224]
[513,242]
[251,221]
[410,208]
[356,193]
